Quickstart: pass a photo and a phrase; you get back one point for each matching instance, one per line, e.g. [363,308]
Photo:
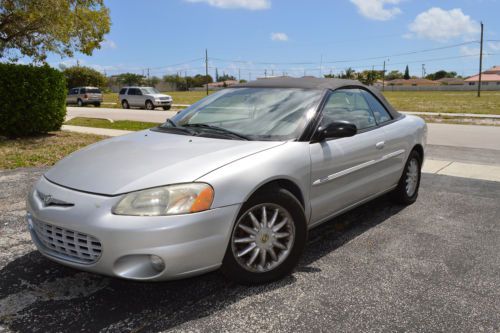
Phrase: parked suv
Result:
[144,97]
[84,95]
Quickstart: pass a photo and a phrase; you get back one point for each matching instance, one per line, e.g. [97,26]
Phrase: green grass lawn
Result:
[43,150]
[445,101]
[127,125]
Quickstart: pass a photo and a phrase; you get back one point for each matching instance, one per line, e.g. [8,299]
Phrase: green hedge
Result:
[32,100]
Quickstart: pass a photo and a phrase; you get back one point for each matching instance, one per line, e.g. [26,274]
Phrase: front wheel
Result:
[407,190]
[149,106]
[268,238]
[166,107]
[97,105]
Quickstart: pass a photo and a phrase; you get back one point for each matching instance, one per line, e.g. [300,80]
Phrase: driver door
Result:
[344,171]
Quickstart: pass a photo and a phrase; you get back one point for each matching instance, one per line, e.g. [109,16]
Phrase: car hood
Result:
[148,159]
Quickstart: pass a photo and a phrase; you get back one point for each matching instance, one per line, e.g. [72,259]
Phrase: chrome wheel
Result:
[149,105]
[412,177]
[263,237]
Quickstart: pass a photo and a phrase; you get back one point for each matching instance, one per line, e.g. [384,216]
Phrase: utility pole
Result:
[321,66]
[383,78]
[148,77]
[239,75]
[265,73]
[249,76]
[206,68]
[480,63]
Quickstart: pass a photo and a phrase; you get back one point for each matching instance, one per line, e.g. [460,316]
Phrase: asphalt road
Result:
[468,136]
[430,267]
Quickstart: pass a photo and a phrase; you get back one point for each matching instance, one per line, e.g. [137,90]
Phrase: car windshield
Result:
[270,114]
[149,90]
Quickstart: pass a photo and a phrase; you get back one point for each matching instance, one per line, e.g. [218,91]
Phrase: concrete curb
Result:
[458,115]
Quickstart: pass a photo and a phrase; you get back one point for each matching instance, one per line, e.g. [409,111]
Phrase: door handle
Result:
[380,145]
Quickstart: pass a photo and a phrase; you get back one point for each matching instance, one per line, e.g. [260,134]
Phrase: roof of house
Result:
[490,75]
[420,82]
[484,77]
[316,83]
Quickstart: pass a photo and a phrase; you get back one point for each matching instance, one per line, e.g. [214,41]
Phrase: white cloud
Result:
[376,9]
[469,51]
[495,46]
[108,44]
[441,25]
[233,4]
[279,36]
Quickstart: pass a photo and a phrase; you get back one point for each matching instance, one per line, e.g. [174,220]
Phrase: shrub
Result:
[32,100]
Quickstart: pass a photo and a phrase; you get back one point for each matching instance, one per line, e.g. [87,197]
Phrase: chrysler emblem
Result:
[47,200]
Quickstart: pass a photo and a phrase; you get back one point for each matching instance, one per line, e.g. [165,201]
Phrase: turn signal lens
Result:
[203,201]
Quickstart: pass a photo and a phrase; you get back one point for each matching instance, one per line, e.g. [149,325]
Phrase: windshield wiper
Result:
[171,122]
[218,129]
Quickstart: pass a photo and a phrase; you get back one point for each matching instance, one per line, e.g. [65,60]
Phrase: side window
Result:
[379,111]
[348,105]
[83,91]
[123,91]
[131,91]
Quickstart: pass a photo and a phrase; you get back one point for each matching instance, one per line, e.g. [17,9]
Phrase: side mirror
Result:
[340,129]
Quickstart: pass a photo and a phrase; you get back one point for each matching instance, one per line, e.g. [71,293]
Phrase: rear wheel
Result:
[79,102]
[268,238]
[149,105]
[407,190]
[125,104]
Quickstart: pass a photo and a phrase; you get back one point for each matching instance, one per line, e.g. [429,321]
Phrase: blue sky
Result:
[248,37]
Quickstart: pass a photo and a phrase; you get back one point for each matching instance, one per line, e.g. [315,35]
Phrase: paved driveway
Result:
[433,266]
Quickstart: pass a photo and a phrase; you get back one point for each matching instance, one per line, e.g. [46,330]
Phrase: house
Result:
[222,84]
[489,77]
[412,82]
[451,81]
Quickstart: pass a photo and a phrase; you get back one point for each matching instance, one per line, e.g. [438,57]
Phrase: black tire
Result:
[166,107]
[401,194]
[149,105]
[235,271]
[79,102]
[125,104]
[97,105]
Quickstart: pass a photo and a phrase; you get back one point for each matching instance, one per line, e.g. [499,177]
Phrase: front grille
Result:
[67,244]
[164,98]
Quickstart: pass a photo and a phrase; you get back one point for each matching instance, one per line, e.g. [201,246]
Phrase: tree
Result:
[79,76]
[440,75]
[393,75]
[407,73]
[35,28]
[153,81]
[226,77]
[130,79]
[369,77]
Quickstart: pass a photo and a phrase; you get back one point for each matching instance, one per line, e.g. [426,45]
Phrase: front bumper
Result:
[188,244]
[162,103]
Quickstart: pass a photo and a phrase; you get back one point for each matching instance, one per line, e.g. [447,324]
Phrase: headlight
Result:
[166,200]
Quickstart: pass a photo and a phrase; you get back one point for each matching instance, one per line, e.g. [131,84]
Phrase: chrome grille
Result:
[67,244]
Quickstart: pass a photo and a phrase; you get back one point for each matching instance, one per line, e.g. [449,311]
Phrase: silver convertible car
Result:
[233,182]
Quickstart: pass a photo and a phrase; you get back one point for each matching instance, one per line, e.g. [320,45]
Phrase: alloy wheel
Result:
[263,238]
[412,177]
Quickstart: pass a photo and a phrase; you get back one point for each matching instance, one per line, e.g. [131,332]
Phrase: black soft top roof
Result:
[316,83]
